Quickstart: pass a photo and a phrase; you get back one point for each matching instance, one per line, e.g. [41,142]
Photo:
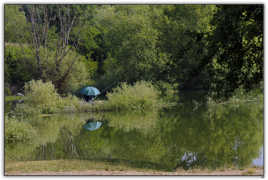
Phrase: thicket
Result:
[142,96]
[21,67]
[42,98]
[189,47]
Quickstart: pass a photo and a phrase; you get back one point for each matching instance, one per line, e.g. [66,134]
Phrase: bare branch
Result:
[36,41]
[40,20]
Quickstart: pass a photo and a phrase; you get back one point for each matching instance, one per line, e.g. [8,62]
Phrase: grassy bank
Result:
[42,98]
[12,98]
[83,167]
[66,166]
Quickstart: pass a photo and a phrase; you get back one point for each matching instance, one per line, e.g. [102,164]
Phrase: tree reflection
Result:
[211,136]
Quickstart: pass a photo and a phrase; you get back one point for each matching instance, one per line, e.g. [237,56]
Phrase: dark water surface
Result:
[188,136]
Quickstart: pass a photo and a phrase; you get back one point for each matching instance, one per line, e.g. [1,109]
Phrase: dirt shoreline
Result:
[99,168]
[257,172]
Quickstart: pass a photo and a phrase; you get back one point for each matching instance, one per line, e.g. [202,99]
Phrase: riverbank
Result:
[83,167]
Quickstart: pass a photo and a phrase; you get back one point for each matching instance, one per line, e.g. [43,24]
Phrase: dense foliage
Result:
[142,96]
[42,98]
[189,47]
[203,62]
[236,48]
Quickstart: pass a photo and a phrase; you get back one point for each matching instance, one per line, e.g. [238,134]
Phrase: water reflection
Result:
[210,136]
[259,161]
[92,126]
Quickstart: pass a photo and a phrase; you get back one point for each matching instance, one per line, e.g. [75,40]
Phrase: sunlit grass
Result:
[65,165]
[12,98]
[249,171]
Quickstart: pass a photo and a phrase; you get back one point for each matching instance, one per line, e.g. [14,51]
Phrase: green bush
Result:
[42,96]
[18,131]
[26,110]
[16,27]
[74,104]
[141,96]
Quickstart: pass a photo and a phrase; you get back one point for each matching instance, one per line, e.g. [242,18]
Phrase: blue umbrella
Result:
[91,126]
[89,91]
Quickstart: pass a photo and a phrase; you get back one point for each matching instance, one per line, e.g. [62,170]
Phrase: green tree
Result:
[50,50]
[236,48]
[130,41]
[51,30]
[183,29]
[20,65]
[16,27]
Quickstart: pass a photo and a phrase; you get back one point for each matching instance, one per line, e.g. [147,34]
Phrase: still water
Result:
[187,136]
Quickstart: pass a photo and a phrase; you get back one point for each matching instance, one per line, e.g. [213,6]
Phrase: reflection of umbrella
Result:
[91,126]
[89,91]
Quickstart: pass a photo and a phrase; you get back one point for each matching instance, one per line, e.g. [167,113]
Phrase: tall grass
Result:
[139,97]
[74,104]
[42,98]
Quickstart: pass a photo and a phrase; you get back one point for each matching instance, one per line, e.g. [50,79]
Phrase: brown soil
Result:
[257,172]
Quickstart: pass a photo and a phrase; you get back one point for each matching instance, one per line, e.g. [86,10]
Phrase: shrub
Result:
[42,96]
[74,104]
[26,110]
[141,96]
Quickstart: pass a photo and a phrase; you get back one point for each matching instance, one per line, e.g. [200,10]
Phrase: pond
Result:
[187,136]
